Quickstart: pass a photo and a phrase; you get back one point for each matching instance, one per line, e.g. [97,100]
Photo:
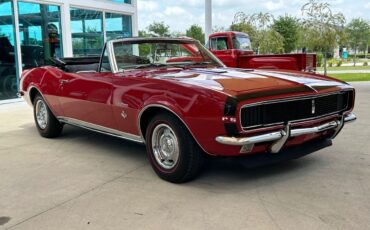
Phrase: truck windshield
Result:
[161,53]
[242,43]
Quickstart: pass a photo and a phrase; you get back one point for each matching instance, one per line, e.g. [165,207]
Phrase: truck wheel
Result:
[46,123]
[172,151]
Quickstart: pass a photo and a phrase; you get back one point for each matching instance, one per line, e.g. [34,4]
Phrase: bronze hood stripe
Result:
[273,92]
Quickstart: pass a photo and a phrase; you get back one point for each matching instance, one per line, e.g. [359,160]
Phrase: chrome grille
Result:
[296,109]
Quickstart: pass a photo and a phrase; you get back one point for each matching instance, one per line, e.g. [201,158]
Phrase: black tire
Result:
[190,157]
[52,127]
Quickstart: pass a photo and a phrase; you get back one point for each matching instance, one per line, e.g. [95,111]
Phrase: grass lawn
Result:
[352,76]
[345,68]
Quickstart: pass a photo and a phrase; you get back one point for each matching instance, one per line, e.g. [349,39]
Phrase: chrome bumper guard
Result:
[279,138]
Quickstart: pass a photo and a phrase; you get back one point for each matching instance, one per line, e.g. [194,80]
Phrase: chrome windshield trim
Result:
[100,129]
[113,61]
[290,99]
[111,57]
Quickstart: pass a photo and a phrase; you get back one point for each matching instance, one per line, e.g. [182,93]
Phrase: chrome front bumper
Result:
[279,138]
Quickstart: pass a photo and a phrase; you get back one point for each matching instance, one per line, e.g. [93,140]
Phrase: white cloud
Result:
[272,5]
[147,6]
[174,10]
[180,14]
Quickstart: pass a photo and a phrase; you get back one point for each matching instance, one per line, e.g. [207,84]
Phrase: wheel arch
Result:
[33,91]
[153,109]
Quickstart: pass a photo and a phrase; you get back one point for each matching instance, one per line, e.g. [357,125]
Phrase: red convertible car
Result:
[183,104]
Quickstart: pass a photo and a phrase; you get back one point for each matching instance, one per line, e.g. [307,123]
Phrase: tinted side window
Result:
[219,43]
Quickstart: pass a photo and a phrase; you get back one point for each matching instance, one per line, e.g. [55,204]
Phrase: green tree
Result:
[218,28]
[272,42]
[258,27]
[196,32]
[159,29]
[287,26]
[358,31]
[246,28]
[323,27]
[143,34]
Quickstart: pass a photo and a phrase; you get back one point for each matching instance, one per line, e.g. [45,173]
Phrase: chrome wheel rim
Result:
[41,114]
[165,146]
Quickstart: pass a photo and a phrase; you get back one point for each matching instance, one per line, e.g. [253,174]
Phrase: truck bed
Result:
[297,61]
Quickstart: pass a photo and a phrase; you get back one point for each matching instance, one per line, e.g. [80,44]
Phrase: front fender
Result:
[200,114]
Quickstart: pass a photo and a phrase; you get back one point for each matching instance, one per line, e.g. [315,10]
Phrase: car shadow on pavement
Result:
[232,169]
[251,168]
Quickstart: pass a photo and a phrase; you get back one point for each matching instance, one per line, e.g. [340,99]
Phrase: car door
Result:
[86,98]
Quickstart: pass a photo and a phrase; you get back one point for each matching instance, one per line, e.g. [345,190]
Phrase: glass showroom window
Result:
[87,32]
[8,66]
[122,1]
[117,25]
[40,33]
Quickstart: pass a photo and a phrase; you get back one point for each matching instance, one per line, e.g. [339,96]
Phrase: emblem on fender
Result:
[124,114]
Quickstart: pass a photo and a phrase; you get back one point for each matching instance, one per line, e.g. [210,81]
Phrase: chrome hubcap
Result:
[41,114]
[165,146]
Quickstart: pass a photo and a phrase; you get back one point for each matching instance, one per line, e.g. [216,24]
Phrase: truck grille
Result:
[282,111]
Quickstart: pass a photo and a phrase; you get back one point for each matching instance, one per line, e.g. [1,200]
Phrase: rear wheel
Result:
[172,151]
[46,123]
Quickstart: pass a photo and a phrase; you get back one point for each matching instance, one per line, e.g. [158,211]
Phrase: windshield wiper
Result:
[150,65]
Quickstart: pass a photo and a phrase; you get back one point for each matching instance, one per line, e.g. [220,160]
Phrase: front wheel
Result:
[172,151]
[46,123]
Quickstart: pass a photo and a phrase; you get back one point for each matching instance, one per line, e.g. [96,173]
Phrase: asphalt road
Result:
[84,180]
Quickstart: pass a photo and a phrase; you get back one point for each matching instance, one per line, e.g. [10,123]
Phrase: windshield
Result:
[242,43]
[162,53]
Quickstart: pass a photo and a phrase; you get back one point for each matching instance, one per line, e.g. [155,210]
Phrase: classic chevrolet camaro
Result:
[181,101]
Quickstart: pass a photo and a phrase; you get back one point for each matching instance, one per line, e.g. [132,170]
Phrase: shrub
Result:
[339,63]
[331,62]
[365,63]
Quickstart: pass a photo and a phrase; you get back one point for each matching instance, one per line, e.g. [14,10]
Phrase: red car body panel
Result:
[196,96]
[235,58]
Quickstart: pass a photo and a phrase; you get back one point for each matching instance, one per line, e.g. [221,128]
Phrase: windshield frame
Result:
[112,57]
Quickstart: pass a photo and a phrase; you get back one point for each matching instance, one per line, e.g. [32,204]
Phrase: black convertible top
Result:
[77,64]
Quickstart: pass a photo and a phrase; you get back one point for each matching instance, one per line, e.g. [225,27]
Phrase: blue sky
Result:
[180,14]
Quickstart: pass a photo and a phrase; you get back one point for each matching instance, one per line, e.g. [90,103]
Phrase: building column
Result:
[17,42]
[208,19]
[66,29]
[134,20]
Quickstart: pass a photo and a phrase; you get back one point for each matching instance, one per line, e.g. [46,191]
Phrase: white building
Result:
[32,31]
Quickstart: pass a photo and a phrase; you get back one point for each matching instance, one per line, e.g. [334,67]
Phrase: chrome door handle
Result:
[62,82]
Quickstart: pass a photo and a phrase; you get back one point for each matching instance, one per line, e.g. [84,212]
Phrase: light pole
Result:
[208,19]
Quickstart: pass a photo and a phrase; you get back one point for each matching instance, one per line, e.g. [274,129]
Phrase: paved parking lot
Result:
[85,180]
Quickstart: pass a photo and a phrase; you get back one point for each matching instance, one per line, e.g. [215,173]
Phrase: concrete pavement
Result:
[85,180]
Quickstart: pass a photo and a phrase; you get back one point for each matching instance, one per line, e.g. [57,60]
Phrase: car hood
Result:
[234,82]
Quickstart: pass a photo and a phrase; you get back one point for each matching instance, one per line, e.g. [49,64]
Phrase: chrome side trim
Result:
[281,137]
[100,129]
[172,112]
[289,99]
